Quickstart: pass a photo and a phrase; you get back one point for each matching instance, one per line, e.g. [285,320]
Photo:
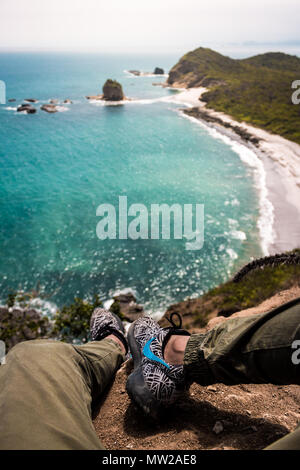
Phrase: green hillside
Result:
[255,90]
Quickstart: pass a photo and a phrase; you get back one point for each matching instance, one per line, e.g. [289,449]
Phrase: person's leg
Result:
[254,349]
[46,392]
[289,442]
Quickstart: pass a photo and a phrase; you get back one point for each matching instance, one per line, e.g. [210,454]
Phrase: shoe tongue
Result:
[161,337]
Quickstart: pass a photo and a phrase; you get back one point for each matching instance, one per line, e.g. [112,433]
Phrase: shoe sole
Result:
[136,387]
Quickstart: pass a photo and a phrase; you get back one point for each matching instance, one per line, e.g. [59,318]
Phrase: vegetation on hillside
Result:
[255,90]
[242,292]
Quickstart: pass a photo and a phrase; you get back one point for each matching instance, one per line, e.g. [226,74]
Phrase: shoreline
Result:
[279,159]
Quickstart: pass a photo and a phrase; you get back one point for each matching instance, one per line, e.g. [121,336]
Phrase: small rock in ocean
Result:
[94,97]
[31,100]
[53,101]
[11,100]
[27,108]
[218,427]
[49,108]
[112,91]
[135,72]
[125,304]
[158,71]
[67,101]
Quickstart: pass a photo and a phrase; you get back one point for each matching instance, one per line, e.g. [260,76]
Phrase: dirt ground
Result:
[213,417]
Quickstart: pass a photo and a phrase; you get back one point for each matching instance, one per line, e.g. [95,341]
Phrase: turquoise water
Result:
[56,169]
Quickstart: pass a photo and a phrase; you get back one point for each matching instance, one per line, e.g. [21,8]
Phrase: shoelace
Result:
[174,326]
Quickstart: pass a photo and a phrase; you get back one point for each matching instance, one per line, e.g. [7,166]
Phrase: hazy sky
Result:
[144,25]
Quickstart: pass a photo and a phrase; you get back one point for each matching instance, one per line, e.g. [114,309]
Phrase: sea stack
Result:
[158,71]
[112,91]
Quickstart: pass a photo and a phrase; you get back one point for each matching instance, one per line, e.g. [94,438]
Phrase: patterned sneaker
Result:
[153,383]
[104,323]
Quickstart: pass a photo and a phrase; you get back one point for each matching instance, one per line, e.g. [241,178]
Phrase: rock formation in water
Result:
[26,108]
[49,108]
[135,72]
[126,307]
[112,91]
[158,71]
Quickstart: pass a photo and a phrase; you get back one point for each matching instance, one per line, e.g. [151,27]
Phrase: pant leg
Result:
[46,392]
[254,349]
[289,442]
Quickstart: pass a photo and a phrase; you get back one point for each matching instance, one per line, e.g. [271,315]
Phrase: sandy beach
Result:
[281,163]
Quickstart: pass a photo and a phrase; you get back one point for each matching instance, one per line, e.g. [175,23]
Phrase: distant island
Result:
[256,90]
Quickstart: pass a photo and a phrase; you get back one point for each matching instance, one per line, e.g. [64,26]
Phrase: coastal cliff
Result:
[256,90]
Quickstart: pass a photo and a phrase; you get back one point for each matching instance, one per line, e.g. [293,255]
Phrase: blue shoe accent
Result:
[149,354]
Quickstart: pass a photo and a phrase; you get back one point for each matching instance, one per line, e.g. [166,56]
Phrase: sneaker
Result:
[153,384]
[104,323]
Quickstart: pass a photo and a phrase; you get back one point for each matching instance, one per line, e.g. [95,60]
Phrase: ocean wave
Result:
[131,101]
[238,235]
[233,255]
[44,306]
[62,109]
[233,202]
[265,222]
[145,74]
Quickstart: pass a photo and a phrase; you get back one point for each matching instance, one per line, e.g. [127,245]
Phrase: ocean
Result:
[56,169]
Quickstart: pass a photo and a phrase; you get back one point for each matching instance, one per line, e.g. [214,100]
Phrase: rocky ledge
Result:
[21,324]
[217,417]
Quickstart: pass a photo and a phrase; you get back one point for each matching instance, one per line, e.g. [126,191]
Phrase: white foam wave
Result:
[131,101]
[43,306]
[238,235]
[249,157]
[11,108]
[62,109]
[145,74]
[233,255]
[126,290]
[156,315]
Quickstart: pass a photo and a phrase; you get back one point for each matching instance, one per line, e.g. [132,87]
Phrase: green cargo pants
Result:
[263,348]
[46,393]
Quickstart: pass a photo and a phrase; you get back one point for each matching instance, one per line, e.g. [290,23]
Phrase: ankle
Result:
[175,348]
[118,341]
